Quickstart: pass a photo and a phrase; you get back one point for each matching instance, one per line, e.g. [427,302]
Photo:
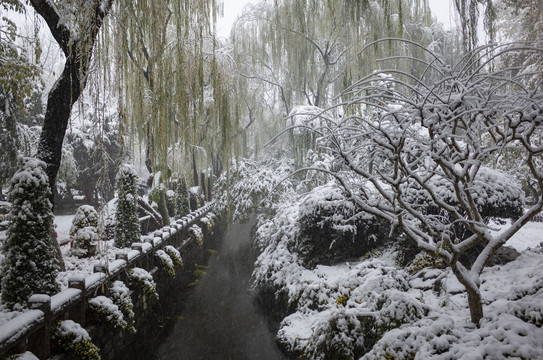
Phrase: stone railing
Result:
[31,330]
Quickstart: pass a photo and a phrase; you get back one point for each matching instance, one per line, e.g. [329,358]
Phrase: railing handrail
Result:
[26,323]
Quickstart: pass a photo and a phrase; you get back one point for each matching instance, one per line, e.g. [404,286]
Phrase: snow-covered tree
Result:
[84,230]
[182,199]
[127,226]
[417,155]
[30,265]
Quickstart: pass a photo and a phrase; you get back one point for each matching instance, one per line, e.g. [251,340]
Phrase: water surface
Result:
[220,318]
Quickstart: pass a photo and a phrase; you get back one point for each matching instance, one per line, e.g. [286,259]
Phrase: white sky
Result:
[232,8]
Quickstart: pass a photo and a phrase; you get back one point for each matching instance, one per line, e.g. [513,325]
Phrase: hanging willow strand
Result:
[167,60]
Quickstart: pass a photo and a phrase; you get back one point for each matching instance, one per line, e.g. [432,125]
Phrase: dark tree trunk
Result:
[59,107]
[475,302]
[68,87]
[194,169]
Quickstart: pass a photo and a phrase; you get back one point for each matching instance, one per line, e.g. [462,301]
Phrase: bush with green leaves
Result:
[73,338]
[120,294]
[174,254]
[108,312]
[197,235]
[127,227]
[144,280]
[30,265]
[165,262]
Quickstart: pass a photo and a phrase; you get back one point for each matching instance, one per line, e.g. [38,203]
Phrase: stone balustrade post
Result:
[144,258]
[78,312]
[123,276]
[40,342]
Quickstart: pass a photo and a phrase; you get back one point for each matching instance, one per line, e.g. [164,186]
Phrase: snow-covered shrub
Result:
[170,202]
[182,199]
[208,223]
[127,226]
[106,311]
[250,185]
[120,294]
[145,280]
[332,229]
[174,254]
[30,265]
[73,338]
[84,230]
[166,262]
[342,335]
[197,235]
[495,194]
[342,311]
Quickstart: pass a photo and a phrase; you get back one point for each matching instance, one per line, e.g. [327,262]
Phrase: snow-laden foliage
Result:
[73,338]
[251,185]
[84,230]
[166,263]
[339,312]
[30,265]
[174,254]
[197,235]
[120,294]
[127,226]
[374,306]
[208,222]
[108,312]
[144,280]
[332,229]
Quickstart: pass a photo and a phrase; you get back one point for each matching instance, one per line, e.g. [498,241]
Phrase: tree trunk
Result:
[59,107]
[475,305]
[68,88]
[475,302]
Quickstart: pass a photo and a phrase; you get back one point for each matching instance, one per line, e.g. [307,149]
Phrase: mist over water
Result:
[220,318]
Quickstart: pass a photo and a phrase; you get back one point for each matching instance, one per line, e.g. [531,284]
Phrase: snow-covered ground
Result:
[529,236]
[62,227]
[374,308]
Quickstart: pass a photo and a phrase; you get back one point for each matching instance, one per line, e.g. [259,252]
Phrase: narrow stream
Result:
[220,318]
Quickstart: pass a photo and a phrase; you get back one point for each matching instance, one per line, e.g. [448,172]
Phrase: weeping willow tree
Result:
[469,13]
[174,97]
[306,52]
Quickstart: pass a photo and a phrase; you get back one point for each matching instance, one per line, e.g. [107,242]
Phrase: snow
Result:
[373,304]
[39,298]
[116,265]
[63,298]
[133,254]
[529,236]
[94,279]
[68,328]
[18,326]
[105,306]
[27,355]
[63,224]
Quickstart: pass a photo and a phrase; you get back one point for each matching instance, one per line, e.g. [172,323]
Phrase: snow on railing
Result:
[44,309]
